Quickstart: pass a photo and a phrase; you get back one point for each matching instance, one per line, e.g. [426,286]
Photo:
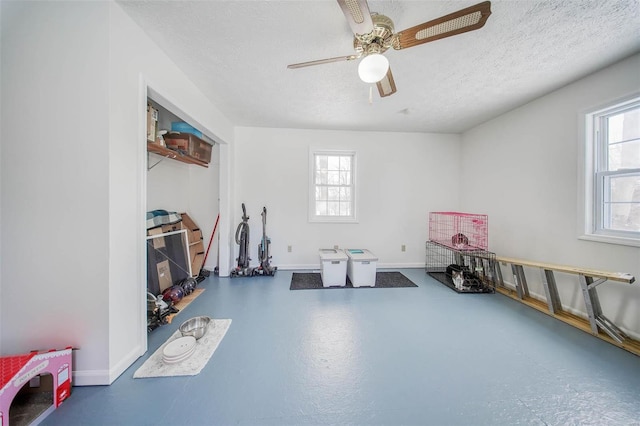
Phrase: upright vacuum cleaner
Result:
[242,239]
[264,256]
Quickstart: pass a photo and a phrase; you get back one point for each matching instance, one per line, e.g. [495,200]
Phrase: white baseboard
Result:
[106,377]
[91,377]
[300,267]
[316,266]
[125,363]
[401,266]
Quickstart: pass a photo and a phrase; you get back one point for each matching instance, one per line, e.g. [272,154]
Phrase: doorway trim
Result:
[149,90]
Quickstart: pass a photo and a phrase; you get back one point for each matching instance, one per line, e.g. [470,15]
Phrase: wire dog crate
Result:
[465,271]
[460,231]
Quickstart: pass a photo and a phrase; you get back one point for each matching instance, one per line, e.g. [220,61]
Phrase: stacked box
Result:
[182,127]
[152,122]
[167,258]
[189,143]
[196,244]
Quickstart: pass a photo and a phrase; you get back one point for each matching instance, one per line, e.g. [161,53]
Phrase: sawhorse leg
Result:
[490,269]
[520,281]
[551,291]
[498,273]
[594,310]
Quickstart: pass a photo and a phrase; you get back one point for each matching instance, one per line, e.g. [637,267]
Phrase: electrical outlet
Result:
[404,248]
[289,249]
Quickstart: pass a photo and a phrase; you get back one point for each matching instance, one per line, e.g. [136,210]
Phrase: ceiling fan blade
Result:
[469,19]
[386,86]
[323,61]
[358,15]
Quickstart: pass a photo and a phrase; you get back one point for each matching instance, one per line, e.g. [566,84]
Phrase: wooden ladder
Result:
[597,323]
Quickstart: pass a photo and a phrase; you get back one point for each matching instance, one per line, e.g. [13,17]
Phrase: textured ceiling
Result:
[237,52]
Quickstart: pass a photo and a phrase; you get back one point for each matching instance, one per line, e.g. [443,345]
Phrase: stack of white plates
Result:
[179,350]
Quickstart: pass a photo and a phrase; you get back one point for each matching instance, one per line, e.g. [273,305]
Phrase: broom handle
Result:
[211,239]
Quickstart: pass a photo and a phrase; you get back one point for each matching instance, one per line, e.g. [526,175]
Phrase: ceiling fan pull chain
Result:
[371,94]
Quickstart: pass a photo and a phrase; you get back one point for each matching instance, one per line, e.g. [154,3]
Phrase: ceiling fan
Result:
[375,33]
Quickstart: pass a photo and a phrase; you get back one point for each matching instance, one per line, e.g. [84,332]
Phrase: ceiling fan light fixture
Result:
[373,68]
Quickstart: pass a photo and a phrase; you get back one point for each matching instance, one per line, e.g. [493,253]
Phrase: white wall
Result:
[135,61]
[1,198]
[73,179]
[522,169]
[401,177]
[204,203]
[55,186]
[167,185]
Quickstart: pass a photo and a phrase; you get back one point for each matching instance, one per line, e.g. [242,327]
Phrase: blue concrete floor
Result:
[405,356]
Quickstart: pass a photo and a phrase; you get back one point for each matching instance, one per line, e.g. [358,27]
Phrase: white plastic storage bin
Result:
[333,267]
[361,267]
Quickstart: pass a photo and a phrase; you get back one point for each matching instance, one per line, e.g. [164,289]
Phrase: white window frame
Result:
[593,157]
[313,217]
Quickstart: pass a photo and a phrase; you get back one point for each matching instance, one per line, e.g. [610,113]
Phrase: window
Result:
[613,173]
[332,192]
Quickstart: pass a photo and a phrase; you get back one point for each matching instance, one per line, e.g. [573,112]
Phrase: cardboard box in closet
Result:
[196,244]
[164,275]
[152,123]
[167,257]
[191,144]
